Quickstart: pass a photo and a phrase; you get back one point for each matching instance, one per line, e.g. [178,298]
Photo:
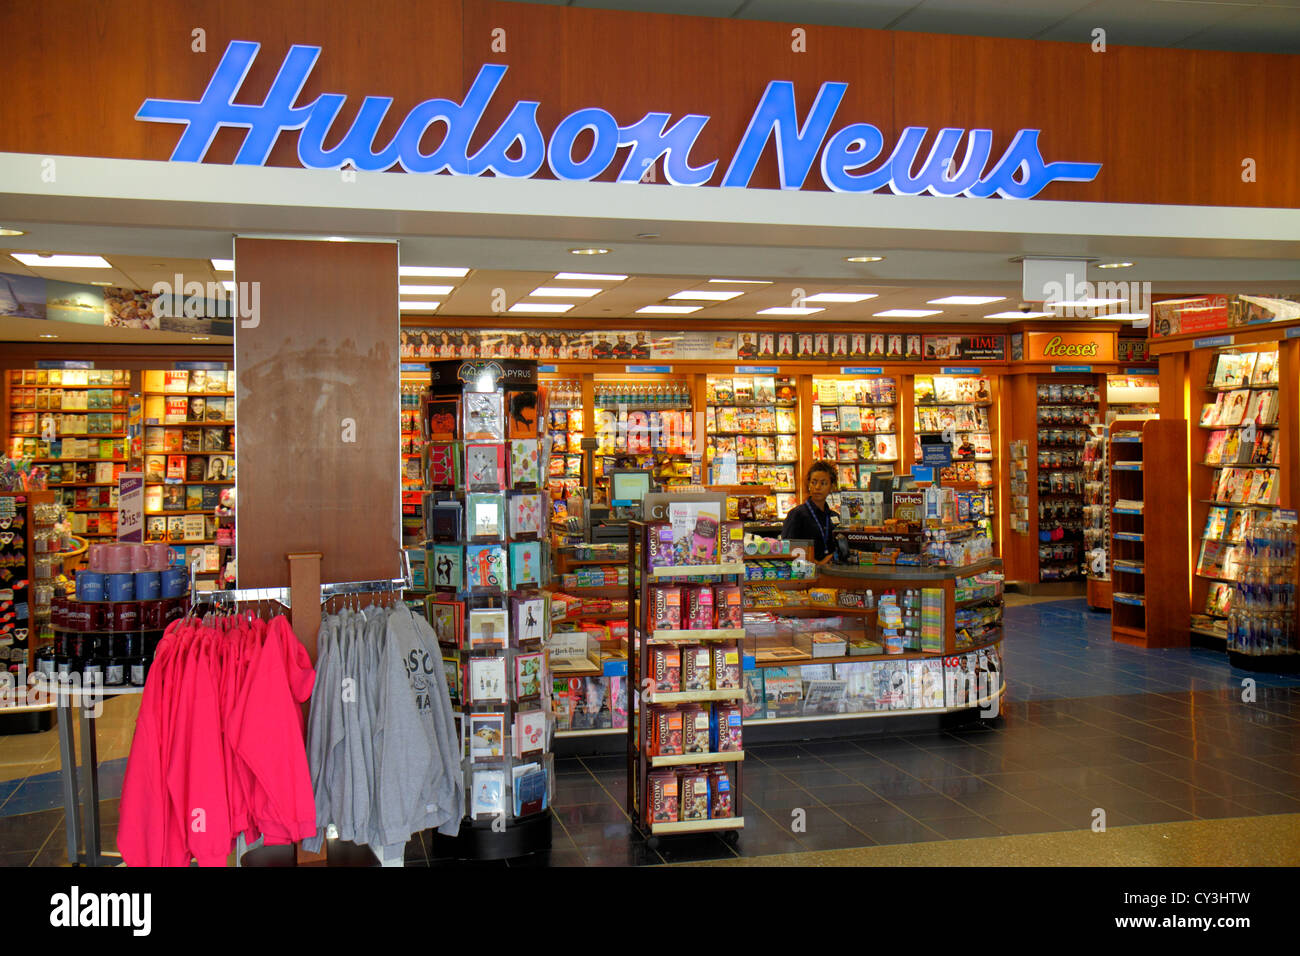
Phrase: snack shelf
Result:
[696,696]
[696,826]
[681,760]
[676,636]
[694,570]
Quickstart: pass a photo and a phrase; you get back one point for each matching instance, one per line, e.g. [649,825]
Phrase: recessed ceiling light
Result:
[1122,316]
[711,295]
[48,335]
[841,297]
[742,281]
[647,235]
[337,239]
[788,310]
[6,231]
[424,289]
[417,306]
[100,282]
[542,306]
[554,291]
[200,338]
[591,251]
[1020,315]
[1089,303]
[967,300]
[668,309]
[863,258]
[223,265]
[590,276]
[1114,265]
[440,272]
[62,262]
[907,313]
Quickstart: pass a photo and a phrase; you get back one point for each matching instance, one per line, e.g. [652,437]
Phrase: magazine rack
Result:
[678,782]
[484,567]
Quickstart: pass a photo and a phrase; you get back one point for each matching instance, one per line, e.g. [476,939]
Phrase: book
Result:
[192,527]
[220,468]
[197,410]
[525,564]
[485,566]
[486,736]
[196,468]
[175,411]
[194,498]
[211,497]
[176,381]
[487,793]
[484,416]
[153,499]
[446,566]
[486,629]
[173,440]
[487,679]
[528,675]
[215,439]
[216,410]
[176,528]
[155,529]
[173,498]
[155,467]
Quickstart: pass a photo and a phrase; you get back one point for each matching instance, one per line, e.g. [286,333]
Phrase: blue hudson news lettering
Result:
[518,148]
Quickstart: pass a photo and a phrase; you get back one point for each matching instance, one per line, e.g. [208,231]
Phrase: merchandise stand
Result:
[26,593]
[485,565]
[660,801]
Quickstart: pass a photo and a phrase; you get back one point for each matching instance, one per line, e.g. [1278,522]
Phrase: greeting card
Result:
[521,414]
[442,418]
[486,736]
[528,675]
[443,465]
[446,566]
[485,566]
[528,619]
[484,416]
[486,513]
[525,564]
[487,629]
[485,467]
[487,678]
[525,514]
[524,457]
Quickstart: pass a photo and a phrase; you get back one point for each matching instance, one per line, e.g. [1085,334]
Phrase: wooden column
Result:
[317,385]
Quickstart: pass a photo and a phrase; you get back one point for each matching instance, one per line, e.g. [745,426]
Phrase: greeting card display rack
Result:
[679,780]
[27,570]
[73,422]
[485,546]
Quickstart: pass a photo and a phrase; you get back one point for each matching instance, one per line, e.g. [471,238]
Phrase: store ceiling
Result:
[1258,26]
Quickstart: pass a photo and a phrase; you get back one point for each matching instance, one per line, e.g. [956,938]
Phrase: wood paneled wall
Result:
[318,426]
[1169,126]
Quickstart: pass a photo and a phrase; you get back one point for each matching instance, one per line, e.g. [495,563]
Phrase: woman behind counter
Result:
[813,520]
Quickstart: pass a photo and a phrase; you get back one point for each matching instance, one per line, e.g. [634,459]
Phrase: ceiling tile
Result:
[868,14]
[1142,22]
[1264,29]
[995,18]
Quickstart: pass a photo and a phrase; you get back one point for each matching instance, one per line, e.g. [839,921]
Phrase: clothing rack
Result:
[284,596]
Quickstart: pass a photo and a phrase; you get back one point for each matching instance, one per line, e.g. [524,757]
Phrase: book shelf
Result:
[485,564]
[1149,525]
[642,422]
[189,459]
[685,756]
[855,425]
[73,422]
[1064,414]
[1237,478]
[961,409]
[752,424]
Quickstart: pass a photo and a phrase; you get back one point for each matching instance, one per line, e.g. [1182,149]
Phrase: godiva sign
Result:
[1096,346]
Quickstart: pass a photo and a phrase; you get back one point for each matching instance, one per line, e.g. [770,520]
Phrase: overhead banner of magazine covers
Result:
[501,343]
[35,298]
[1211,312]
[720,346]
[979,348]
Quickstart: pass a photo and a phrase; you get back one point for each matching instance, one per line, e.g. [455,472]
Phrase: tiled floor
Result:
[1093,734]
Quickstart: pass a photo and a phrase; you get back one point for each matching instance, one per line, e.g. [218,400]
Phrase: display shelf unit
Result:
[1243,475]
[564,463]
[964,404]
[188,458]
[1096,515]
[492,619]
[856,426]
[642,422]
[1067,409]
[661,802]
[1149,523]
[752,427]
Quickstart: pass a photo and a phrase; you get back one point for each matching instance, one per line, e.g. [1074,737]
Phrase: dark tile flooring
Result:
[1145,736]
